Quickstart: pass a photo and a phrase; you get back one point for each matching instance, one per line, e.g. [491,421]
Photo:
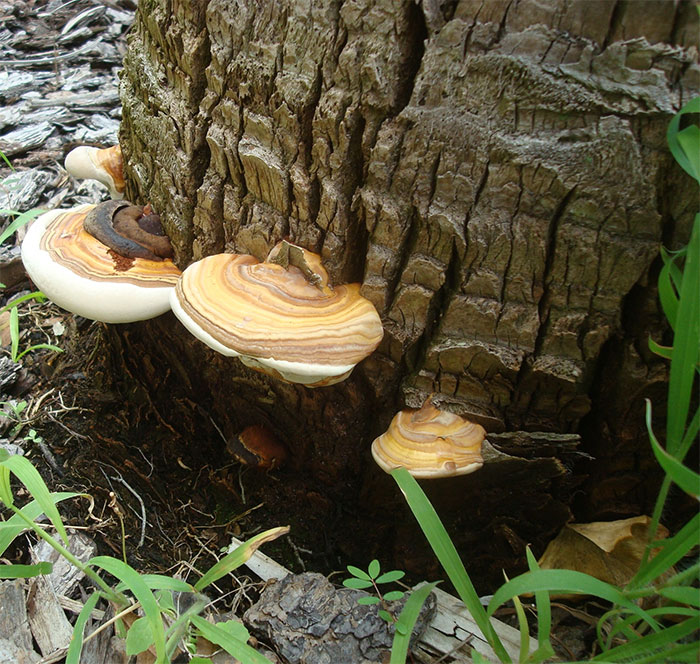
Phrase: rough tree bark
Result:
[493,172]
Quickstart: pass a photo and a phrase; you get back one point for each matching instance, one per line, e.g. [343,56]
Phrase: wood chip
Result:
[50,628]
[65,577]
[13,615]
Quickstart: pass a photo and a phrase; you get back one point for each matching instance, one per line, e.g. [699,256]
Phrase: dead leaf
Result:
[608,550]
[5,338]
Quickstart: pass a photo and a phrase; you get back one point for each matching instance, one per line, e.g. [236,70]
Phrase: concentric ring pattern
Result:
[68,244]
[430,443]
[264,310]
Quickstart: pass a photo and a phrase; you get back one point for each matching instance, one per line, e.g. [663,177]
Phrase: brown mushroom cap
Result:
[257,446]
[430,443]
[276,319]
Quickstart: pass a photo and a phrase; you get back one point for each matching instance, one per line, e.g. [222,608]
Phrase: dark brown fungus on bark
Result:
[130,230]
[259,447]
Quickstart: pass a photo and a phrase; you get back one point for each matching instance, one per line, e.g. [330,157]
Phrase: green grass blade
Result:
[565,581]
[671,611]
[687,652]
[446,553]
[406,621]
[14,333]
[5,487]
[34,295]
[689,140]
[55,349]
[668,296]
[20,221]
[682,595]
[688,576]
[131,578]
[6,160]
[15,525]
[524,629]
[685,345]
[683,476]
[693,106]
[672,550]
[76,642]
[161,582]
[228,642]
[177,630]
[661,351]
[238,556]
[655,643]
[29,476]
[544,617]
[691,434]
[25,571]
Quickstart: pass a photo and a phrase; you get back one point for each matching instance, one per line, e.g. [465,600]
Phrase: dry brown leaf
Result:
[5,337]
[608,550]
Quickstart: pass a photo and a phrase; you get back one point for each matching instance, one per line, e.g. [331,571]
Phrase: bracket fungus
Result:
[430,443]
[257,446]
[105,166]
[130,230]
[81,274]
[280,317]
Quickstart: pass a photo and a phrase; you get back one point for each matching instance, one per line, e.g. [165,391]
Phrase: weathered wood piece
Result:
[308,620]
[49,624]
[448,630]
[453,628]
[57,90]
[105,648]
[14,625]
[65,576]
[11,653]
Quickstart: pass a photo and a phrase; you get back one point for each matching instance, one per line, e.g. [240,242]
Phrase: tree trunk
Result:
[494,173]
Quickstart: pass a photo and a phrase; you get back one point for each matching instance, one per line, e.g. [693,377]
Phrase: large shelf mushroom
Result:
[280,317]
[104,165]
[430,443]
[81,274]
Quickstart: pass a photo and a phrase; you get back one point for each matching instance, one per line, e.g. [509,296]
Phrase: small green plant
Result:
[161,627]
[372,578]
[628,631]
[12,306]
[14,412]
[403,624]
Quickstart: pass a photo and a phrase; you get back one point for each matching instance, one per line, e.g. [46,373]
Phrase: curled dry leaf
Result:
[608,550]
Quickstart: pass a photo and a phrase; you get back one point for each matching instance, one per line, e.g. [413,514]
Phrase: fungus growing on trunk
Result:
[105,166]
[257,446]
[281,316]
[81,274]
[130,230]
[430,443]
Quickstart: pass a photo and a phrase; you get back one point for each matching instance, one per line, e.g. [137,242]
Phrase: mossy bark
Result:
[494,173]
